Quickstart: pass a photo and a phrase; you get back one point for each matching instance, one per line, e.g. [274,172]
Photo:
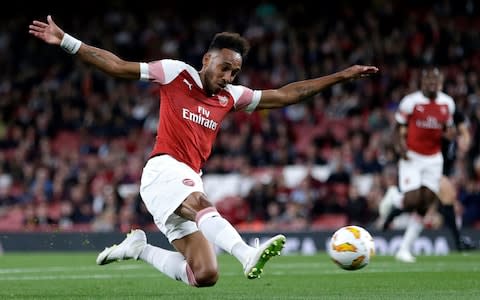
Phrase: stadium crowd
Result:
[73,141]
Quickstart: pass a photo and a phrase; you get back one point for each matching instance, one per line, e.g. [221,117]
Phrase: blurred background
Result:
[73,141]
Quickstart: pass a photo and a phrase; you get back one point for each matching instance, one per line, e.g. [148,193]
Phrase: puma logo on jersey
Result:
[188,83]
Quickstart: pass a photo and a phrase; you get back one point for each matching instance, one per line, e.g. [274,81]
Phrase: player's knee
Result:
[428,196]
[422,210]
[447,193]
[207,276]
[411,200]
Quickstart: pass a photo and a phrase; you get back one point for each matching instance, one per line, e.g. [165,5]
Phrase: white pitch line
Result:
[66,269]
[74,277]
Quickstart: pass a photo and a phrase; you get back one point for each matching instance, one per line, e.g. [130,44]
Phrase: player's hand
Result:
[402,151]
[48,32]
[357,71]
[404,155]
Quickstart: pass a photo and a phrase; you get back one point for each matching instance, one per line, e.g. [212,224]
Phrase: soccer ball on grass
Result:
[351,247]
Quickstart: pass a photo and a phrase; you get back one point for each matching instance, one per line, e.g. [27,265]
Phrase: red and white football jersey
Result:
[425,119]
[189,119]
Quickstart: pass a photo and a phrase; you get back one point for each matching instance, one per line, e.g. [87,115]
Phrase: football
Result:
[351,247]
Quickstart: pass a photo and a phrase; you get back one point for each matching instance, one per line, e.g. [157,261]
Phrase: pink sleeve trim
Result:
[156,72]
[245,99]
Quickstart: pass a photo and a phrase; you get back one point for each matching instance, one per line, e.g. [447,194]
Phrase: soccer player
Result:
[451,144]
[422,117]
[459,141]
[193,104]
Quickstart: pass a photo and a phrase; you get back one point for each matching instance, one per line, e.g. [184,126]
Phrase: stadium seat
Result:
[12,220]
[329,221]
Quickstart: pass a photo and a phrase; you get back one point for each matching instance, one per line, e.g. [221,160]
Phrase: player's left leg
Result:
[416,224]
[388,208]
[406,196]
[129,248]
[171,263]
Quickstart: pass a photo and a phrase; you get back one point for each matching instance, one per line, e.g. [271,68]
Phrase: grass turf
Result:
[76,276]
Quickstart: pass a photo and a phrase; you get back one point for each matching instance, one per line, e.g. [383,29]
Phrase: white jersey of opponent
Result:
[190,119]
[425,119]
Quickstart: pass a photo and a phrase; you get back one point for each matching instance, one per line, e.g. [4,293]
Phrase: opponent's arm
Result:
[401,138]
[102,59]
[464,137]
[297,91]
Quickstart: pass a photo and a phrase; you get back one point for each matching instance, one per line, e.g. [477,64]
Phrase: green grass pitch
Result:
[76,276]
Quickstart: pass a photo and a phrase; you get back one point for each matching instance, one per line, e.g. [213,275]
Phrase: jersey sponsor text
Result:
[199,119]
[429,123]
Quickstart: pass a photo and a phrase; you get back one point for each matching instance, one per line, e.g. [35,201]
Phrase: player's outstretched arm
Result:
[104,60]
[297,91]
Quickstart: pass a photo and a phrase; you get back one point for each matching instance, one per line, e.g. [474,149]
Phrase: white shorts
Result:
[165,184]
[420,170]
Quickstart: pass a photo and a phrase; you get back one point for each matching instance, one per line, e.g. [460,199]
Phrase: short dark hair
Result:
[230,40]
[431,69]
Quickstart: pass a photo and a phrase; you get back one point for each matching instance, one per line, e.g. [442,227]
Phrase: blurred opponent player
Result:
[193,105]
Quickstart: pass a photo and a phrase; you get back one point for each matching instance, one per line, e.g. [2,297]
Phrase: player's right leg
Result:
[200,257]
[253,267]
[414,228]
[220,232]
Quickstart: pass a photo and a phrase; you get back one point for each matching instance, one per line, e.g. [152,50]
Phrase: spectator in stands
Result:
[38,87]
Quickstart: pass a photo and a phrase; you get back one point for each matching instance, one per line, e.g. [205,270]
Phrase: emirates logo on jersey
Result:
[188,182]
[223,100]
[429,123]
[202,117]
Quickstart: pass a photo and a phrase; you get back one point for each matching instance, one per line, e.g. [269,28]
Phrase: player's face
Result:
[432,81]
[220,68]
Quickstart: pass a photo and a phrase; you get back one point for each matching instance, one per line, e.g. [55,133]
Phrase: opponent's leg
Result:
[448,197]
